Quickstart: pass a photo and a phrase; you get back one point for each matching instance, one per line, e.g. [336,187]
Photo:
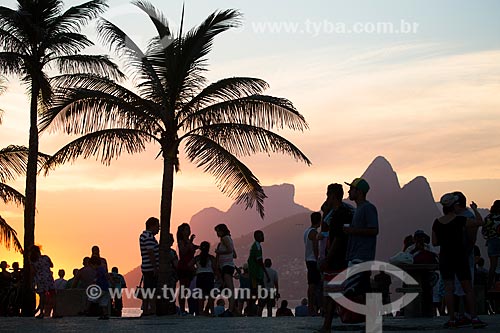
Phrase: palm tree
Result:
[12,164]
[173,106]
[36,37]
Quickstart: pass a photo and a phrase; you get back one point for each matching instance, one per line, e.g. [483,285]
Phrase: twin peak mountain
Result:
[402,210]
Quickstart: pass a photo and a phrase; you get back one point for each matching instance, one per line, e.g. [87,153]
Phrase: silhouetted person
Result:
[117,282]
[311,257]
[85,275]
[362,232]
[339,215]
[61,282]
[302,310]
[383,282]
[448,233]
[255,262]
[225,254]
[96,252]
[271,285]
[44,281]
[187,250]
[491,231]
[283,310]
[150,263]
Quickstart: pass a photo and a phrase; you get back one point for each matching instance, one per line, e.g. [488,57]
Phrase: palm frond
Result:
[233,178]
[8,236]
[198,41]
[65,43]
[258,110]
[77,16]
[157,17]
[95,64]
[14,161]
[12,63]
[9,194]
[246,140]
[135,59]
[181,64]
[223,90]
[105,145]
[16,23]
[109,105]
[10,43]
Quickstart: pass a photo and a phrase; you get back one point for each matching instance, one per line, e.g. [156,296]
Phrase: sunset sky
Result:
[427,100]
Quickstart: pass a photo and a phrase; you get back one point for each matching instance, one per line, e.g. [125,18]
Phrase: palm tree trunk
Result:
[29,208]
[163,307]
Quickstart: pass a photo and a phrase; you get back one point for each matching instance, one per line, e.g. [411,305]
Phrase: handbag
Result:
[139,290]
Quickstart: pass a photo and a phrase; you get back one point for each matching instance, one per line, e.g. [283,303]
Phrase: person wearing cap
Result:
[448,233]
[363,231]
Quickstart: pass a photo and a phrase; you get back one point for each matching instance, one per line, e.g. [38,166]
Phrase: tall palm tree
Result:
[36,37]
[173,106]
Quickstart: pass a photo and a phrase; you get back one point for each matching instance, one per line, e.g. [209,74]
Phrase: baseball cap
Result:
[448,200]
[360,184]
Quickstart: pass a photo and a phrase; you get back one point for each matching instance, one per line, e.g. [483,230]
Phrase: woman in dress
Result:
[44,281]
[225,258]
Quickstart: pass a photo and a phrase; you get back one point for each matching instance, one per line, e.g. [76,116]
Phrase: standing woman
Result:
[491,231]
[448,232]
[187,250]
[43,280]
[225,258]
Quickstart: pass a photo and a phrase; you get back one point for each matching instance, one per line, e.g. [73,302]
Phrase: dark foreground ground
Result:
[191,324]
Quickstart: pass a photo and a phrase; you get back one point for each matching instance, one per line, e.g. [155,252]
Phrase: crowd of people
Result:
[94,270]
[195,267]
[339,236]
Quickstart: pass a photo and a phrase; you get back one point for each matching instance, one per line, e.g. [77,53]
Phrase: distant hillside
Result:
[279,204]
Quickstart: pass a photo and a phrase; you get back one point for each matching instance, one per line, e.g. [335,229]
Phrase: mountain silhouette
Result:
[279,204]
[402,210]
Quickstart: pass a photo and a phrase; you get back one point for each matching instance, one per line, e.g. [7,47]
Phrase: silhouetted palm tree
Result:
[216,123]
[35,37]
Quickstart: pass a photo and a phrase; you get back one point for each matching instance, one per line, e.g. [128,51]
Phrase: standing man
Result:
[339,215]
[362,233]
[311,256]
[150,264]
[272,287]
[256,263]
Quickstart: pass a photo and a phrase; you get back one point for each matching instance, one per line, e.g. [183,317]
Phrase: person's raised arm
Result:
[476,222]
